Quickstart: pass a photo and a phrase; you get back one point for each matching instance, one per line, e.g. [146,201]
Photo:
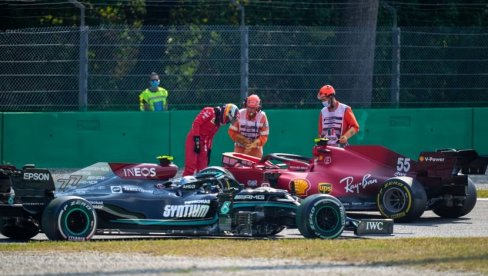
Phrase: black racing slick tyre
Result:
[18,230]
[69,218]
[459,210]
[402,199]
[321,216]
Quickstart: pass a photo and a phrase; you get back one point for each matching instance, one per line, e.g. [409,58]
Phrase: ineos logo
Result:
[145,172]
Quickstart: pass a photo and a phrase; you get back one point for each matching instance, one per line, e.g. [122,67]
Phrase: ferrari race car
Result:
[121,198]
[370,178]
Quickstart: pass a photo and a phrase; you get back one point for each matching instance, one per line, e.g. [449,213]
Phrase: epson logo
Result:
[189,186]
[36,176]
[140,172]
[249,197]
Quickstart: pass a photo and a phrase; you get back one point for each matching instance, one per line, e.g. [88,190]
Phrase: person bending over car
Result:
[251,131]
[336,120]
[198,143]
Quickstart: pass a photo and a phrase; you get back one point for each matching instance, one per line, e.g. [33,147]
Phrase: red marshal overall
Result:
[204,126]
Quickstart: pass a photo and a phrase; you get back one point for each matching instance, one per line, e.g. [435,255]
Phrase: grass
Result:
[482,193]
[443,254]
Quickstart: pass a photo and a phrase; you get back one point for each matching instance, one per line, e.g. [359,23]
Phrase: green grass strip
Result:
[443,254]
[482,193]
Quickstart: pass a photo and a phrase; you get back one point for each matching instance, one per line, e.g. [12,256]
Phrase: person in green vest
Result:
[154,97]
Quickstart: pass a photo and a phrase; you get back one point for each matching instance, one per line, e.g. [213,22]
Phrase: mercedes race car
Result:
[370,178]
[120,198]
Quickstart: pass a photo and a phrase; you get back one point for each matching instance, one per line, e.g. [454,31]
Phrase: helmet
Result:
[325,91]
[253,101]
[183,180]
[230,114]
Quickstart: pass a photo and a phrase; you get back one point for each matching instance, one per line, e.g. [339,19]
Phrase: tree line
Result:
[26,14]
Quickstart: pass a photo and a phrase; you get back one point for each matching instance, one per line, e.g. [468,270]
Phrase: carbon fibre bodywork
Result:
[120,198]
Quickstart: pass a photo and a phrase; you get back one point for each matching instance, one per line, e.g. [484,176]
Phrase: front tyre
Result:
[459,210]
[402,199]
[321,216]
[69,218]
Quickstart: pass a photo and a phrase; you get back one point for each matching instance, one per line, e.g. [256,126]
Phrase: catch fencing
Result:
[105,68]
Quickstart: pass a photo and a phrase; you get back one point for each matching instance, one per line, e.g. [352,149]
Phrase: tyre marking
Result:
[401,186]
[91,219]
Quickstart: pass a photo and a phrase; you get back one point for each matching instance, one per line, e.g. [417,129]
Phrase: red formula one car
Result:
[370,178]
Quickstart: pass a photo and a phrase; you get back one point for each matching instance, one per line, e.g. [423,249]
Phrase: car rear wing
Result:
[29,186]
[448,162]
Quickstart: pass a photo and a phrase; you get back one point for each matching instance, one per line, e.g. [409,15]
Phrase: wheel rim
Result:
[394,200]
[327,219]
[77,222]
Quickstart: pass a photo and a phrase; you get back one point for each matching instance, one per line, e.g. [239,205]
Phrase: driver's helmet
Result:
[230,114]
[185,180]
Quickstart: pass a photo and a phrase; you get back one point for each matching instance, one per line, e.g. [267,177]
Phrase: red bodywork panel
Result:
[353,174]
[144,170]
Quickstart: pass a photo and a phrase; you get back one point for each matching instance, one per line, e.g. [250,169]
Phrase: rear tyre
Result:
[69,218]
[402,199]
[462,209]
[321,216]
[20,230]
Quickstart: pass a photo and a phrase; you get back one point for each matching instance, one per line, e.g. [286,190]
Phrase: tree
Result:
[354,76]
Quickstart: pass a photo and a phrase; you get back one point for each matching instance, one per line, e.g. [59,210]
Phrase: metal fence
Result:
[210,65]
